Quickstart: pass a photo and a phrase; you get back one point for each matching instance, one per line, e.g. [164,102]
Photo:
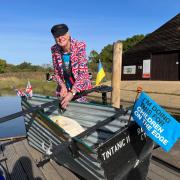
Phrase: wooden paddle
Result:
[54,102]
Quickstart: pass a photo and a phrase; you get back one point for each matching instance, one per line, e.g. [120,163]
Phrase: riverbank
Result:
[165,93]
[19,80]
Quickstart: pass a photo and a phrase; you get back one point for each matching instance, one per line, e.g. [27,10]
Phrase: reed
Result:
[24,75]
[19,80]
[37,79]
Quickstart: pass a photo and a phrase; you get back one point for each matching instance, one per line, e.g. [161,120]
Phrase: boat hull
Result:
[107,149]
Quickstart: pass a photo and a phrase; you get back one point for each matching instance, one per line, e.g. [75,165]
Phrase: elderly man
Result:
[70,65]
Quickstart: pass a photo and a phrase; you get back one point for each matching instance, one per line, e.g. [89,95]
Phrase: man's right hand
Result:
[63,91]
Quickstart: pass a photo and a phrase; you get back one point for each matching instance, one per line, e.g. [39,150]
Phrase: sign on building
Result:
[146,68]
[129,69]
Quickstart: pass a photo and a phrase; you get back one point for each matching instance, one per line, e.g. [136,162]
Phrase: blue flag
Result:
[160,126]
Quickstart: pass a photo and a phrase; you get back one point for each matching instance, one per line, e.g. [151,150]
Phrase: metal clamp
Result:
[48,150]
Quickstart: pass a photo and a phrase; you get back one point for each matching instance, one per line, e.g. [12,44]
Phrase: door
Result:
[165,67]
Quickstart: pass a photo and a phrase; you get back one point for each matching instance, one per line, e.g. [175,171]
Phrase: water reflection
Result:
[15,127]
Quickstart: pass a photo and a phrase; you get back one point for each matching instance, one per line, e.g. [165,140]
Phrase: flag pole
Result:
[139,90]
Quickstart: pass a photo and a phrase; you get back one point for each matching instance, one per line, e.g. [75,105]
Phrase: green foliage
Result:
[2,65]
[106,54]
[23,67]
[130,42]
[11,68]
[106,57]
[94,56]
[92,61]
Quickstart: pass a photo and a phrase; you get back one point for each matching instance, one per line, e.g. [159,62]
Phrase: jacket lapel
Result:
[59,60]
[74,58]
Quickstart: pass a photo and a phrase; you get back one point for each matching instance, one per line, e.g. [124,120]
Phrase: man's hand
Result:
[66,100]
[63,91]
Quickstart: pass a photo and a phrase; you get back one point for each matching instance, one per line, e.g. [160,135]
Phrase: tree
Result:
[94,56]
[24,65]
[48,67]
[130,42]
[11,68]
[93,60]
[106,57]
[2,65]
[106,54]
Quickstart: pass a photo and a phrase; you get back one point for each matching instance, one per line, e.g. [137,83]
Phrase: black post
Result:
[104,98]
[47,76]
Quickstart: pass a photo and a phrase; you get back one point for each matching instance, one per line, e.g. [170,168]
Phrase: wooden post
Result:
[116,74]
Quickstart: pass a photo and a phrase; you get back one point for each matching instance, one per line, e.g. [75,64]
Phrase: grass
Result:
[41,86]
[37,79]
[167,96]
[19,80]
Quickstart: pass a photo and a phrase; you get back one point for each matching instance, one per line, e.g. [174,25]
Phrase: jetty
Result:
[19,161]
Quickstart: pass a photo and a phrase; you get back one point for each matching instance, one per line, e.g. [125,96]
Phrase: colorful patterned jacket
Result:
[78,65]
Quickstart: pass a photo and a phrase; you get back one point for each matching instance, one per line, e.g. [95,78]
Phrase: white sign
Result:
[129,69]
[146,68]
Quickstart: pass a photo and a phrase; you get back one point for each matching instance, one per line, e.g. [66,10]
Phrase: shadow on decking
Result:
[19,170]
[14,164]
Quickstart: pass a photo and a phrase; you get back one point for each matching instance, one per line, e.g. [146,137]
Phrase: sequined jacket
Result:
[78,65]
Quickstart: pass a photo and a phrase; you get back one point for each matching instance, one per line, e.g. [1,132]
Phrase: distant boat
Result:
[94,141]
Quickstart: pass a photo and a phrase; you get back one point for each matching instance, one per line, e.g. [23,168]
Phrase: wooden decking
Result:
[165,166]
[19,161]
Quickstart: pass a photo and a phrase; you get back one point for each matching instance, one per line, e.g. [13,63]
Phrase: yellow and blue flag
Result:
[100,74]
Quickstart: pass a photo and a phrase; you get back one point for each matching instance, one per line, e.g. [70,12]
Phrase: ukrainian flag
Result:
[100,74]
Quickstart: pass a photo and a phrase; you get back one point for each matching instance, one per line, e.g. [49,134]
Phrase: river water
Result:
[15,127]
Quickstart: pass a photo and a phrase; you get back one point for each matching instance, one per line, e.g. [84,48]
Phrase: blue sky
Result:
[25,24]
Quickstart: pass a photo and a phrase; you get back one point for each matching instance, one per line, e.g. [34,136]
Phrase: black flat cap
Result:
[59,30]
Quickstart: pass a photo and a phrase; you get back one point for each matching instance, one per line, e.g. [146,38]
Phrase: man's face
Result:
[63,40]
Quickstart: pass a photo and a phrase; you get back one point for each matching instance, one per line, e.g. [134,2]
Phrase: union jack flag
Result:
[29,90]
[20,92]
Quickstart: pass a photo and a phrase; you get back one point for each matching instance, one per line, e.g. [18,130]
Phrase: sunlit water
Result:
[15,127]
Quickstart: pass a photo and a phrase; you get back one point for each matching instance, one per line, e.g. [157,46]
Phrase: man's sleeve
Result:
[82,81]
[57,78]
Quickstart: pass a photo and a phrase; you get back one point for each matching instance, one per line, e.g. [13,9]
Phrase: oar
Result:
[29,110]
[54,102]
[99,89]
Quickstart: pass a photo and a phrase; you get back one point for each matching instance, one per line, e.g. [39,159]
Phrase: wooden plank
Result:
[13,138]
[28,163]
[116,74]
[158,173]
[172,157]
[64,172]
[48,170]
[3,162]
[14,166]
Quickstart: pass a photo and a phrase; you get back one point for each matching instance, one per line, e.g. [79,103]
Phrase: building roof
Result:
[166,38]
